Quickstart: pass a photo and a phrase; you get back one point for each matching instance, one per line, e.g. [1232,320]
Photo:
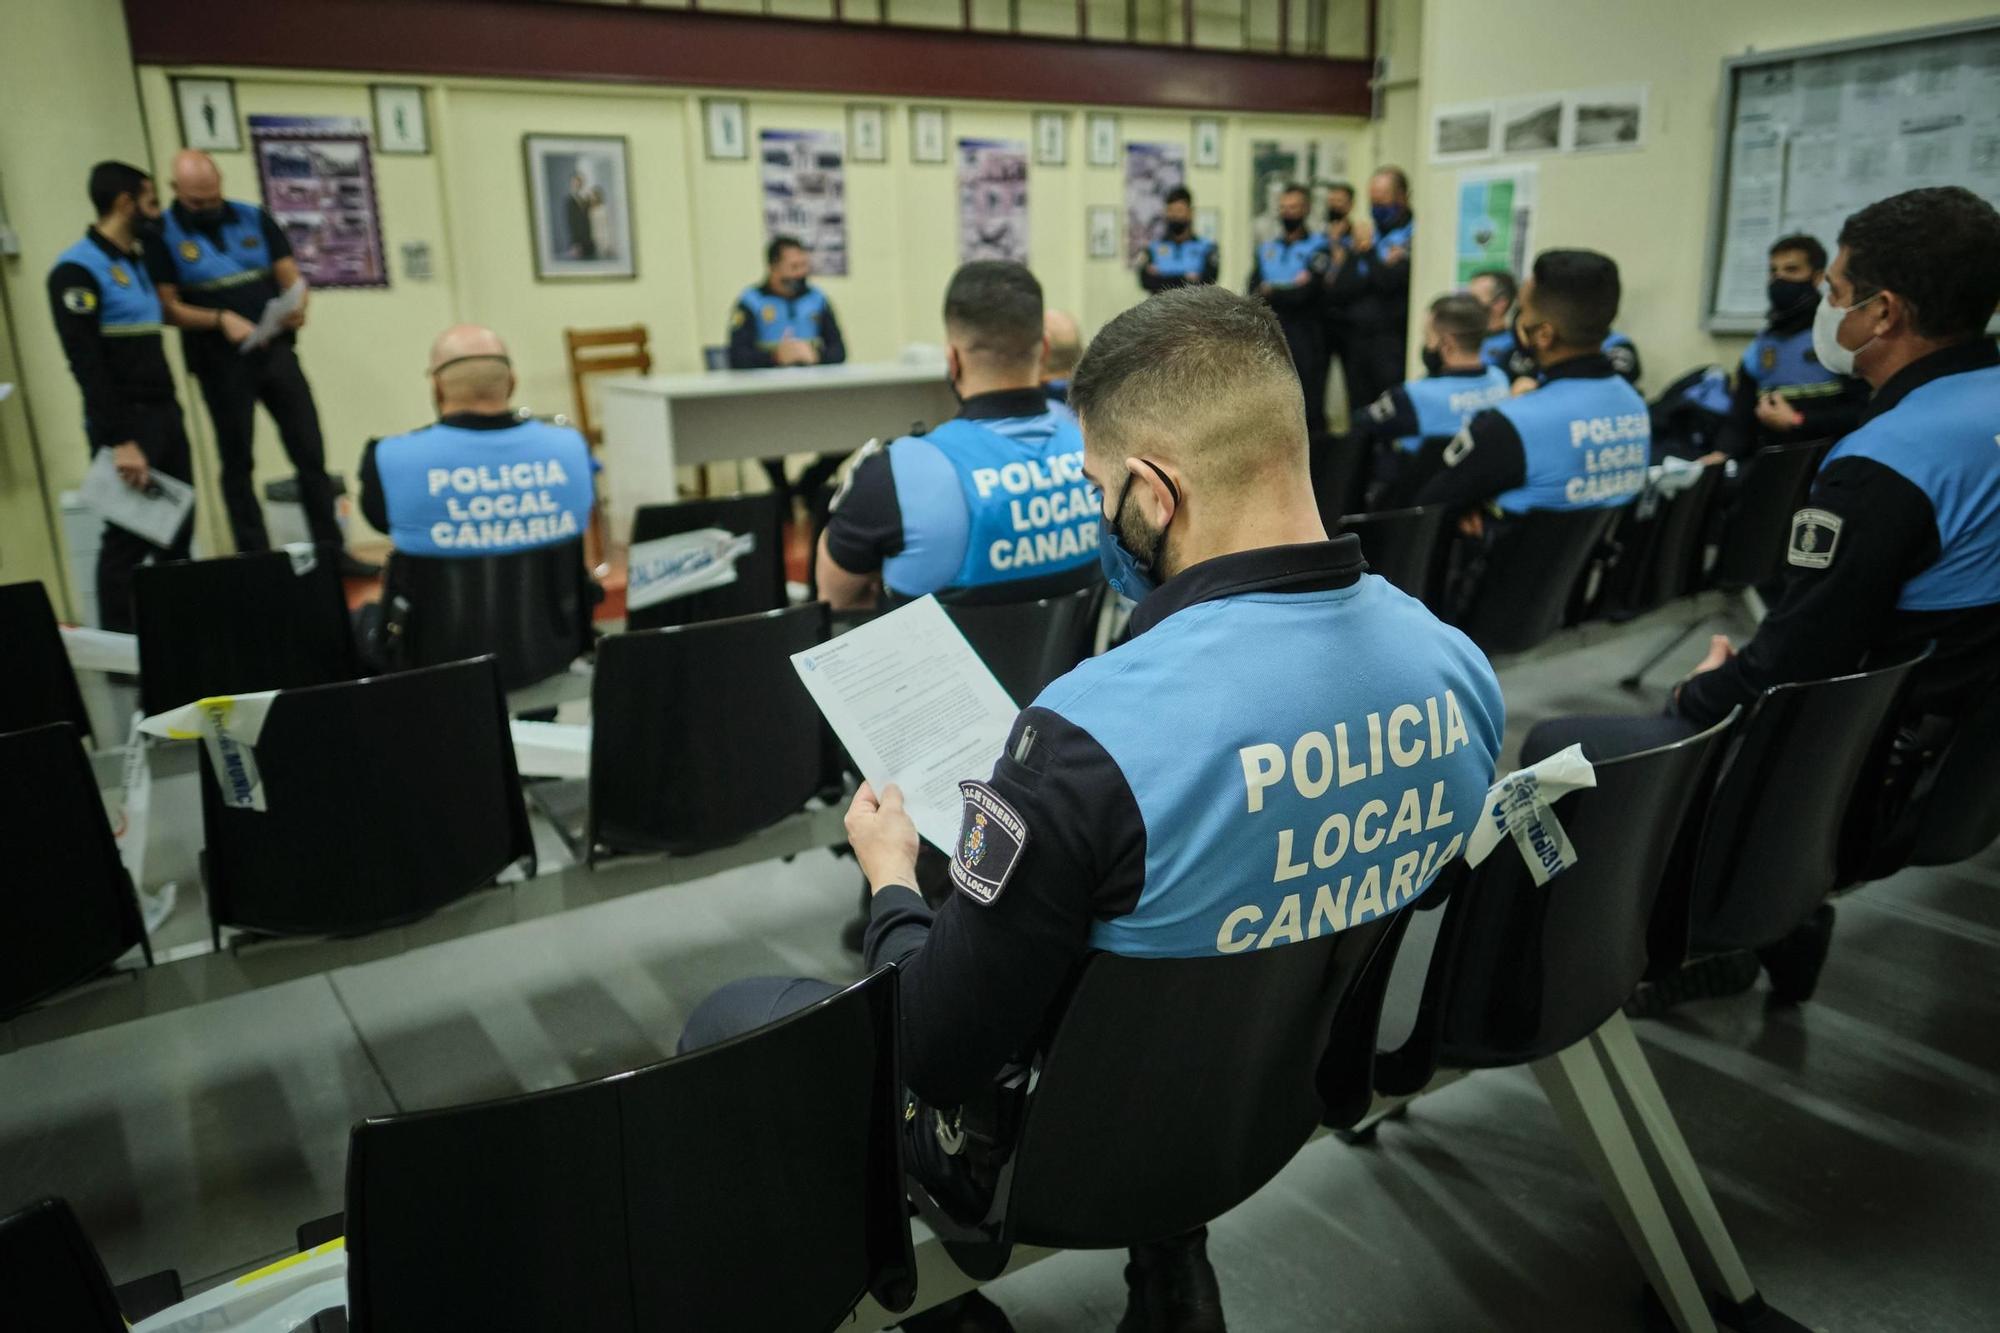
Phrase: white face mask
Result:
[1826,335]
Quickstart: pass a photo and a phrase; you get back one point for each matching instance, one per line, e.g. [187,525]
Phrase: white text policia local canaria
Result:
[1409,735]
[1074,498]
[507,505]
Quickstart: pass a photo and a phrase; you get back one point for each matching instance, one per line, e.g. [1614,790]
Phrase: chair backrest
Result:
[1530,573]
[37,685]
[1774,483]
[386,799]
[1675,567]
[1233,1044]
[1960,816]
[760,572]
[1029,644]
[1521,970]
[530,609]
[599,352]
[1772,841]
[1400,544]
[241,623]
[702,734]
[756,1184]
[50,1274]
[67,910]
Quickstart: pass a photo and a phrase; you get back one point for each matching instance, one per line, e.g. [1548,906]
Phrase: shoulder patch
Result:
[79,300]
[251,242]
[991,838]
[1460,446]
[190,251]
[740,318]
[1815,535]
[1383,408]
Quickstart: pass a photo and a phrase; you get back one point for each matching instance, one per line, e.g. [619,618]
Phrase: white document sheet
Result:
[272,322]
[155,513]
[915,706]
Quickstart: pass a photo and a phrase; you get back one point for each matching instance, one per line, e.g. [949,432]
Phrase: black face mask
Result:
[1433,361]
[147,229]
[205,217]
[1788,296]
[1336,215]
[1521,345]
[1293,226]
[1176,228]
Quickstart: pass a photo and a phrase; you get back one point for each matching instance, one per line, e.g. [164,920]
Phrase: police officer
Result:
[786,321]
[1065,344]
[1497,288]
[1459,386]
[994,496]
[1781,391]
[1132,835]
[107,314]
[1290,277]
[1344,282]
[1180,258]
[219,262]
[1378,321]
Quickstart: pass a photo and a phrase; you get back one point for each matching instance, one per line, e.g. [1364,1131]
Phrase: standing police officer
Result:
[107,314]
[994,496]
[218,263]
[1289,277]
[1782,392]
[1180,258]
[786,321]
[1378,311]
[1459,386]
[1138,836]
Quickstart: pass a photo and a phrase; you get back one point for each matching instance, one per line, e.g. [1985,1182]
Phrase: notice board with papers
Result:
[1807,136]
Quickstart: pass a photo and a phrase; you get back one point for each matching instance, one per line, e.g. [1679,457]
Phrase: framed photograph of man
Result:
[580,203]
[208,115]
[725,129]
[400,126]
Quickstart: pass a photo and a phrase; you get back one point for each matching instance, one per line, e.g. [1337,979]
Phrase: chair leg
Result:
[1631,683]
[1575,1083]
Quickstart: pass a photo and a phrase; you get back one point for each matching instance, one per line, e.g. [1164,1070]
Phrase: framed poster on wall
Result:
[579,206]
[319,187]
[207,109]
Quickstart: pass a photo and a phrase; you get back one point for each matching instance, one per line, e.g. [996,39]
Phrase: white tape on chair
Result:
[274,1299]
[228,724]
[1518,805]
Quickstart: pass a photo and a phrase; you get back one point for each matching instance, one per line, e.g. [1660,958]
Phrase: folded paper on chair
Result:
[155,513]
[1518,805]
[683,564]
[283,1295]
[228,725]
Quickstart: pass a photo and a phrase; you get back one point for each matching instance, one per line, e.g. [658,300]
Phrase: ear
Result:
[1157,496]
[1892,313]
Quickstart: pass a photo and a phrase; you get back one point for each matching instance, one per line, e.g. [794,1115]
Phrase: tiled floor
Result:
[1853,1144]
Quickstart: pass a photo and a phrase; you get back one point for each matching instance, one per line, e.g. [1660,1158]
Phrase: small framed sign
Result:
[1207,141]
[867,133]
[400,126]
[207,110]
[927,134]
[725,130]
[1103,227]
[1051,138]
[1103,134]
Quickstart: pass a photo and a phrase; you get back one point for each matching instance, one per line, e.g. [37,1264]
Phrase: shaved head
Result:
[197,180]
[470,371]
[1065,343]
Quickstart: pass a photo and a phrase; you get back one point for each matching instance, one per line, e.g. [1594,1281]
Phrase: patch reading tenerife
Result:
[1815,534]
[991,839]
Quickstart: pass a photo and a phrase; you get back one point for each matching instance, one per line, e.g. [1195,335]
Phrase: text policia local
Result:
[504,506]
[1409,735]
[1047,500]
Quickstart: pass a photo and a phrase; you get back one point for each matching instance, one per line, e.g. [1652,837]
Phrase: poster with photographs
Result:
[805,194]
[319,187]
[1276,163]
[1531,124]
[1604,119]
[1151,169]
[580,195]
[1462,132]
[992,200]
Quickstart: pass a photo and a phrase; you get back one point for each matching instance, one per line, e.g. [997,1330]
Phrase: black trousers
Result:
[162,436]
[1371,361]
[810,482]
[1305,334]
[233,384]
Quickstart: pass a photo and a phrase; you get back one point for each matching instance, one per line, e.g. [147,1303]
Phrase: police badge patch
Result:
[79,300]
[1815,533]
[991,838]
[190,251]
[1768,359]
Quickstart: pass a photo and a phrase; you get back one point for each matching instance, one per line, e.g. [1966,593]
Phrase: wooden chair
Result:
[599,352]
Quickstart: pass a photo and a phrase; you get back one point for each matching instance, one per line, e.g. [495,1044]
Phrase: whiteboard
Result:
[1806,137]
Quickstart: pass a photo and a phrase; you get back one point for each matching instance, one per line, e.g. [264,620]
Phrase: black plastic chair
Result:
[756,1184]
[239,624]
[702,734]
[760,572]
[1252,1051]
[50,1274]
[530,609]
[1757,526]
[67,910]
[37,685]
[1029,644]
[1959,816]
[1675,568]
[1533,567]
[386,799]
[1400,544]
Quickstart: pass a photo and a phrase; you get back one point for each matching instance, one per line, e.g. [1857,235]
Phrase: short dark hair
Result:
[998,306]
[1504,283]
[1293,187]
[1938,249]
[1577,291]
[1396,174]
[1347,186]
[776,249]
[1178,195]
[108,180]
[1808,246]
[1461,317]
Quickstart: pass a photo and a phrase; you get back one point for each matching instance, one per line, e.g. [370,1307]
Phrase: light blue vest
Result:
[1279,261]
[1778,362]
[1587,441]
[1303,762]
[1181,259]
[778,318]
[1944,439]
[1444,403]
[127,305]
[1396,236]
[203,265]
[1494,350]
[461,493]
[988,502]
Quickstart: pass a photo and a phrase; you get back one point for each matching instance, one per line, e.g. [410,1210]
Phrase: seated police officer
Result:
[1781,391]
[1179,258]
[1581,440]
[786,321]
[1504,347]
[1065,344]
[995,496]
[1141,837]
[1458,387]
[1496,290]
